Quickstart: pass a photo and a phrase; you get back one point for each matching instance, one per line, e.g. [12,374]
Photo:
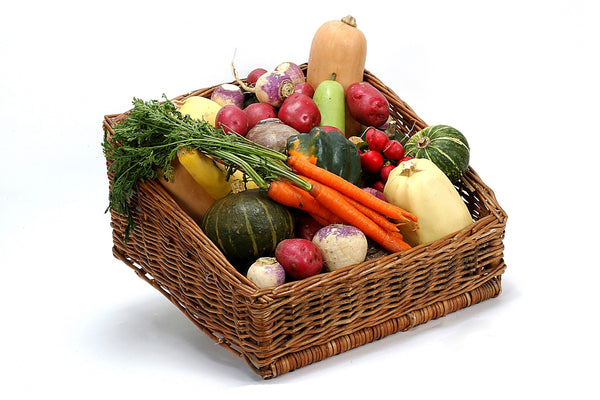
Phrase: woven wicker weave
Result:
[284,328]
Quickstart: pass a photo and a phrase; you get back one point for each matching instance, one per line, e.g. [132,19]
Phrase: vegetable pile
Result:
[293,174]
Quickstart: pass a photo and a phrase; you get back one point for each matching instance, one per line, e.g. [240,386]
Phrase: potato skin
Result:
[300,258]
[367,105]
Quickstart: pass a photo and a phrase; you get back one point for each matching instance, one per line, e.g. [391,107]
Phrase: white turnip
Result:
[341,246]
[266,272]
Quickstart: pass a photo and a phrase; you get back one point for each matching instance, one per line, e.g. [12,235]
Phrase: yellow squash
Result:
[420,187]
[205,172]
[200,108]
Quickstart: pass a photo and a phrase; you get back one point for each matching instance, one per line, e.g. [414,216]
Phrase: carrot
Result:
[320,220]
[370,213]
[331,199]
[373,215]
[304,167]
[290,195]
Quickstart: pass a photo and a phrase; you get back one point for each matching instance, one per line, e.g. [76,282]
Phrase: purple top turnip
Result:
[293,71]
[272,87]
[266,272]
[228,93]
[341,245]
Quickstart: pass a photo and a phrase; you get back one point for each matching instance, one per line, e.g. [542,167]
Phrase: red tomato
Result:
[300,112]
[393,150]
[371,161]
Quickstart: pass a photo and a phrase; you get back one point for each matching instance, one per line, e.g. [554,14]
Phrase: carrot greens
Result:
[146,141]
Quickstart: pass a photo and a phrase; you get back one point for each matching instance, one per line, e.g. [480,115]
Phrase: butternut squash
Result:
[338,47]
[190,195]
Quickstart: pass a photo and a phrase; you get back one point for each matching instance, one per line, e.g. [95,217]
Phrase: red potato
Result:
[304,88]
[231,118]
[300,258]
[367,104]
[328,128]
[300,112]
[257,112]
[254,75]
[306,227]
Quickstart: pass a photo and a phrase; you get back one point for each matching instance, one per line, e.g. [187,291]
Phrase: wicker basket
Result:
[284,328]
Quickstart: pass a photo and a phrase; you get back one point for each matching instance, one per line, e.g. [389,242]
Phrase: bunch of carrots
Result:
[332,199]
[149,138]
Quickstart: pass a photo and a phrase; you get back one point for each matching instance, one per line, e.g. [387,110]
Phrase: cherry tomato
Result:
[376,139]
[393,150]
[371,161]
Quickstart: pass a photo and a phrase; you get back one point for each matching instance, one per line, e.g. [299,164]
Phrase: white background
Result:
[518,78]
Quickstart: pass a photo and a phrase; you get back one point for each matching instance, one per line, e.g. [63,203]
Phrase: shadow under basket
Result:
[281,329]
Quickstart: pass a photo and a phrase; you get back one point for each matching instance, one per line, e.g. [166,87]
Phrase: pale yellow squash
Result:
[420,187]
[200,108]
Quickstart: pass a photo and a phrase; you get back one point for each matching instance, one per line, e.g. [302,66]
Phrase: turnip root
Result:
[228,93]
[266,272]
[377,193]
[271,133]
[341,246]
[272,87]
[293,71]
[300,258]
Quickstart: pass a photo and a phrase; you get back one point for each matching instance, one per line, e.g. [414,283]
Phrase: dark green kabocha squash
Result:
[247,225]
[329,150]
[445,146]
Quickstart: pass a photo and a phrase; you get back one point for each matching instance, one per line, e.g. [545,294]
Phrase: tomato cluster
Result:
[379,155]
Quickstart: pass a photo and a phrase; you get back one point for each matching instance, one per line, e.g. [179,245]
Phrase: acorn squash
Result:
[330,150]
